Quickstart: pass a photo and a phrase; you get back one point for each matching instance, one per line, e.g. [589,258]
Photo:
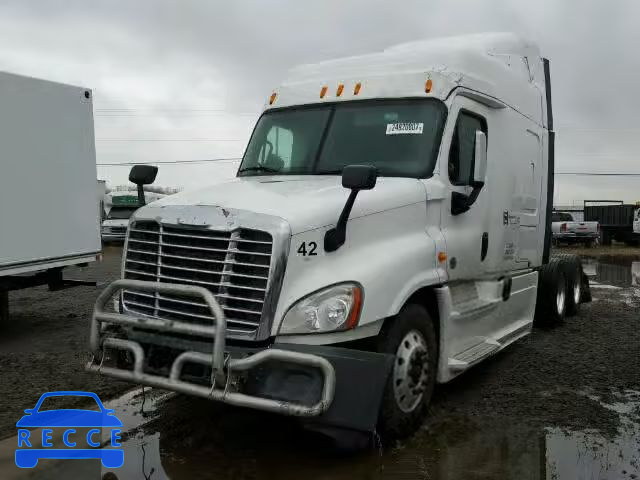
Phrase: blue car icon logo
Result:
[34,444]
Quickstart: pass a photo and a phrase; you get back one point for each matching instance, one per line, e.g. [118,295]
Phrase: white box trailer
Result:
[49,218]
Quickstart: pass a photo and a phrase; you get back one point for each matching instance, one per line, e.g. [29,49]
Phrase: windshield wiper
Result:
[258,168]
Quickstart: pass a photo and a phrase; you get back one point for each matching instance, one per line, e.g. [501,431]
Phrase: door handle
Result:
[485,246]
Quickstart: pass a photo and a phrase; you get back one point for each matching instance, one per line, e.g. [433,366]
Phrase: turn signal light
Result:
[340,90]
[323,91]
[428,86]
[356,89]
[273,97]
[442,257]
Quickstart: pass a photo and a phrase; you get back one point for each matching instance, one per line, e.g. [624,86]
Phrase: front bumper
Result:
[114,237]
[575,237]
[293,380]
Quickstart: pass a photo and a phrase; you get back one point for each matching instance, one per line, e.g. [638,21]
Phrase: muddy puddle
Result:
[612,272]
[174,437]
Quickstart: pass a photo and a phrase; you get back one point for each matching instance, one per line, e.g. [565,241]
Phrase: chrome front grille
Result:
[234,266]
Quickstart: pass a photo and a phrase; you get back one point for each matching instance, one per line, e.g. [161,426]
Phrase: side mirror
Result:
[142,175]
[460,202]
[355,178]
[480,160]
[359,177]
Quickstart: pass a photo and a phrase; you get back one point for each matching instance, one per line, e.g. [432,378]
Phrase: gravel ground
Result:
[519,410]
[615,250]
[45,345]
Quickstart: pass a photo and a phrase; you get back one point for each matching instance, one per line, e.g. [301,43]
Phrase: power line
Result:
[168,162]
[171,115]
[166,140]
[151,109]
[600,174]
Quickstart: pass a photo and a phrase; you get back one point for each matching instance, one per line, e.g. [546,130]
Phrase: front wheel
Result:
[411,338]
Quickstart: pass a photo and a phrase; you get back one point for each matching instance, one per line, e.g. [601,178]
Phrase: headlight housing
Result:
[331,309]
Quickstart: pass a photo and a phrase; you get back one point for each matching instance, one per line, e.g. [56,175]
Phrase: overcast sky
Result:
[186,80]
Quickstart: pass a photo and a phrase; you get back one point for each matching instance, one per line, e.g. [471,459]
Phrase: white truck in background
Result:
[566,230]
[49,216]
[388,229]
[119,205]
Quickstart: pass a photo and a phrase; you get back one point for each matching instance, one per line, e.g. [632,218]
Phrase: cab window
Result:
[462,151]
[280,141]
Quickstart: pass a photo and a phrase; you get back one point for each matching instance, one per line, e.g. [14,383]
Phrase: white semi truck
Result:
[388,229]
[49,215]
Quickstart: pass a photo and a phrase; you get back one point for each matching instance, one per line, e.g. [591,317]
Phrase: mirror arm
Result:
[336,237]
[461,203]
[141,199]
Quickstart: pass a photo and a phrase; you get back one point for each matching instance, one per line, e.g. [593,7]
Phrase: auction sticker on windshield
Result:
[405,128]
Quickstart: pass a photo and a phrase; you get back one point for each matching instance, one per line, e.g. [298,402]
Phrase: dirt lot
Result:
[45,345]
[563,404]
[615,250]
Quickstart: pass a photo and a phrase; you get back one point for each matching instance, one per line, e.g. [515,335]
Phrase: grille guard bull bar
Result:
[219,367]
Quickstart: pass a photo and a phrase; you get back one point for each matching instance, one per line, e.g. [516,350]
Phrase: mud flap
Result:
[360,381]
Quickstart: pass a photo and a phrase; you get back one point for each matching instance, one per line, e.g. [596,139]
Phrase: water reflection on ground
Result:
[189,447]
[612,271]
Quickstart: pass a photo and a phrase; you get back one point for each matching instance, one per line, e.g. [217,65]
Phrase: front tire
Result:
[411,338]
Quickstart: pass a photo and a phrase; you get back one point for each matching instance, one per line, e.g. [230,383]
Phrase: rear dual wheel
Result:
[552,294]
[560,290]
[572,267]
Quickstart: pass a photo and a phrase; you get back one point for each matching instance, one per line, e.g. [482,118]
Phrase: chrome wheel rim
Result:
[560,299]
[411,371]
[577,291]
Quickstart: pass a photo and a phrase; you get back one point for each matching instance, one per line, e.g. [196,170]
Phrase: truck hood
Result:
[115,222]
[305,202]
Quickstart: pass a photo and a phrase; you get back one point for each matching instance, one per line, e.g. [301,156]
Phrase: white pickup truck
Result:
[566,230]
[388,229]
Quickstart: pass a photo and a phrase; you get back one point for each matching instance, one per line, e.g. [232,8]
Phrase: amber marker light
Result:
[354,315]
[428,86]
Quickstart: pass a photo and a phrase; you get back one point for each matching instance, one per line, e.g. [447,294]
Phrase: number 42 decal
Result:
[308,249]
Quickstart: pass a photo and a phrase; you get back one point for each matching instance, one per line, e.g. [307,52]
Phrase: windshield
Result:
[61,402]
[120,213]
[399,137]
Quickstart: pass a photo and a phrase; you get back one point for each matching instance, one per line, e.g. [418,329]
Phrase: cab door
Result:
[466,232]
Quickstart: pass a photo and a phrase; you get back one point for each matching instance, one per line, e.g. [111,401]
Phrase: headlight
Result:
[106,229]
[328,310]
